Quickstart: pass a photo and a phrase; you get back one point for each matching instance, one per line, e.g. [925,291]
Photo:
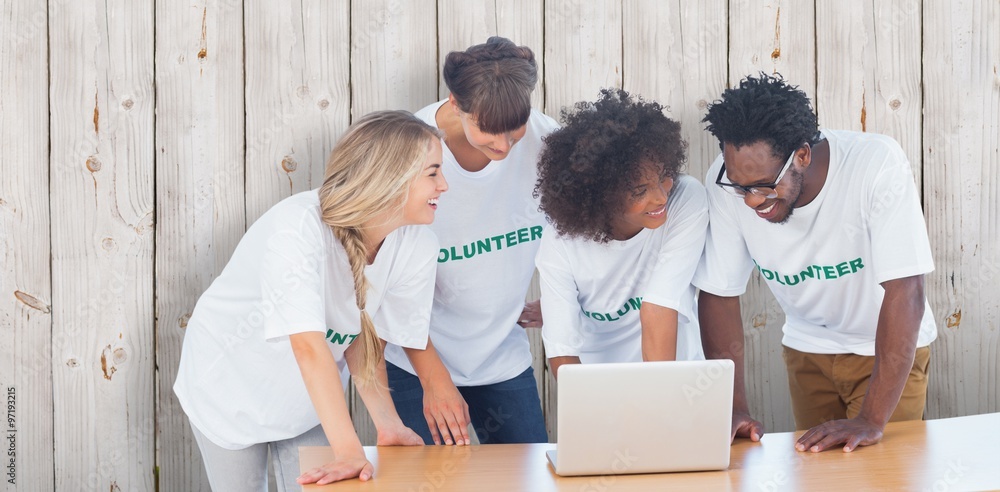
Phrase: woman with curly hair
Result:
[627,232]
[489,226]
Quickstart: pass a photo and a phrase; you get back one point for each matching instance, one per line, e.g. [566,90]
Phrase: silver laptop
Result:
[643,417]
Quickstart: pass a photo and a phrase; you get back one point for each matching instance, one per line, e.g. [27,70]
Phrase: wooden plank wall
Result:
[961,134]
[102,202]
[200,189]
[25,250]
[248,97]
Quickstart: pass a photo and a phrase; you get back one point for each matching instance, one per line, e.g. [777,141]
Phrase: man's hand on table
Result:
[745,426]
[850,432]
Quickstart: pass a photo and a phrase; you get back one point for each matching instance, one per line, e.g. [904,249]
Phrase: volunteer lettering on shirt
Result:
[632,304]
[819,272]
[490,244]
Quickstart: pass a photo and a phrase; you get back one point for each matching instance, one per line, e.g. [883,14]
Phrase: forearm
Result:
[722,337]
[428,365]
[322,381]
[895,343]
[659,332]
[375,396]
[555,362]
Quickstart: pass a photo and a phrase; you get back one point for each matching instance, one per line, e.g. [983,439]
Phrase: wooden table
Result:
[948,454]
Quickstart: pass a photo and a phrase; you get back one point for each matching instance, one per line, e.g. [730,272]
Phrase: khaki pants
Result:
[832,386]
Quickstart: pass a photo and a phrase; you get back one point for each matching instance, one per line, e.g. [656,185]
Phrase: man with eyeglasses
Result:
[832,221]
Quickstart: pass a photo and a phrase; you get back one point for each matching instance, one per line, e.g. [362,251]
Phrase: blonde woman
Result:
[263,362]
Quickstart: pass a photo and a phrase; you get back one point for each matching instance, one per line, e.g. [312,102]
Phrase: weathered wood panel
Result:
[675,54]
[868,70]
[393,55]
[961,191]
[102,103]
[25,286]
[583,51]
[200,195]
[297,99]
[771,37]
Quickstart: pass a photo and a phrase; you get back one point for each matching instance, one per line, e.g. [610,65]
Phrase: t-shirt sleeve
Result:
[405,313]
[292,290]
[669,283]
[900,246]
[726,264]
[561,312]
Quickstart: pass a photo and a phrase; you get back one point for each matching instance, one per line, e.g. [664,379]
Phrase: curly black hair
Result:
[589,167]
[763,108]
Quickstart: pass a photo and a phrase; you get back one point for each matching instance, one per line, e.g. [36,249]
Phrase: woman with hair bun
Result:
[316,284]
[489,227]
[628,229]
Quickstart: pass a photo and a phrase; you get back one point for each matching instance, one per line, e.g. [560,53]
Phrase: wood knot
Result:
[127,104]
[108,244]
[72,362]
[289,164]
[183,321]
[323,104]
[119,356]
[701,104]
[202,54]
[93,164]
[32,302]
[302,91]
[108,370]
[776,54]
[955,319]
[895,104]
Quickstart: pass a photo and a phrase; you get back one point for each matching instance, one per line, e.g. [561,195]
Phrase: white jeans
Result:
[245,470]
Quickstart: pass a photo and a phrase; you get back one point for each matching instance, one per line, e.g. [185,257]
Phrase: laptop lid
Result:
[644,417]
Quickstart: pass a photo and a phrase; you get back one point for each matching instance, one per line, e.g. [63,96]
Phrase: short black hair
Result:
[763,109]
[589,167]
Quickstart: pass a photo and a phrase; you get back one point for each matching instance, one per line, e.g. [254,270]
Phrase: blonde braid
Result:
[367,180]
[371,344]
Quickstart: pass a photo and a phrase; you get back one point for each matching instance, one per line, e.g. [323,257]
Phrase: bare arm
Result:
[722,338]
[555,362]
[322,380]
[895,345]
[659,332]
[391,431]
[445,409]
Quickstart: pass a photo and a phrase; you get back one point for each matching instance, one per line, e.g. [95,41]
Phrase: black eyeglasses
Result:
[765,191]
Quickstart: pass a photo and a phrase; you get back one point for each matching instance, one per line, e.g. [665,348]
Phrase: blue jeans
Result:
[502,413]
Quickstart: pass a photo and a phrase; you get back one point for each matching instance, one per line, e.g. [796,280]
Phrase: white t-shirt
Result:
[591,292]
[825,264]
[489,226]
[238,381]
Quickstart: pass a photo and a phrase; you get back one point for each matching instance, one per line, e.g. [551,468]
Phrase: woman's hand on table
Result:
[343,468]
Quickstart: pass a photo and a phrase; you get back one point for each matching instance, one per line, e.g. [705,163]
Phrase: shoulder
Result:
[418,241]
[299,213]
[429,113]
[541,124]
[865,149]
[688,194]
